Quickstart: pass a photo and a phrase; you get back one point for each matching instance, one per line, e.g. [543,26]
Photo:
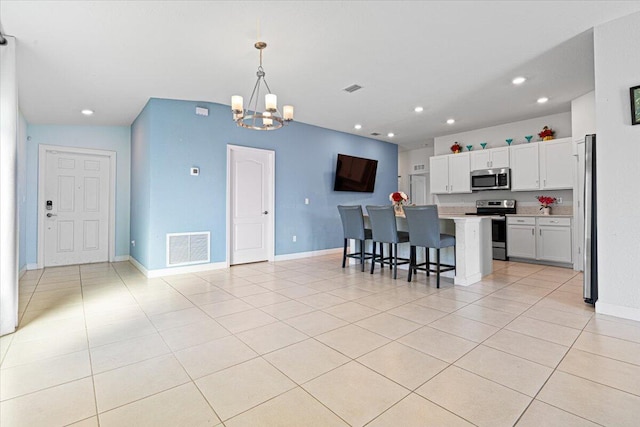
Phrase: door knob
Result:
[49,215]
[265,212]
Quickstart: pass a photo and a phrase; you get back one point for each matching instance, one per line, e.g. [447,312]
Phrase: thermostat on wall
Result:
[195,171]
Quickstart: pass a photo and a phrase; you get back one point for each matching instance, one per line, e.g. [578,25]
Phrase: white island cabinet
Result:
[473,253]
[540,238]
[450,174]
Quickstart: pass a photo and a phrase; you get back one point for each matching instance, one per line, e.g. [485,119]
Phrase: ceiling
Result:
[456,59]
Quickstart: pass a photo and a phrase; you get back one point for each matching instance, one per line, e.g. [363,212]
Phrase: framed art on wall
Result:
[635,105]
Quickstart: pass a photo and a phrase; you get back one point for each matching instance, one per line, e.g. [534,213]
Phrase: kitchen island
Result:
[473,252]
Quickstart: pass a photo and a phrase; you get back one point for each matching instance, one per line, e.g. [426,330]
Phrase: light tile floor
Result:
[307,343]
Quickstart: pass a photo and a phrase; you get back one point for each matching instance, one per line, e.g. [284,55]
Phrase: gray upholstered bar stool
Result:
[353,226]
[385,230]
[424,231]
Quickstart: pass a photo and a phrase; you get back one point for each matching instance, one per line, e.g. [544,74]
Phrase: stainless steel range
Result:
[497,209]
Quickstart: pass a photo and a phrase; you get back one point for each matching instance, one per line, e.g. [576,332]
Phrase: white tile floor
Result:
[307,343]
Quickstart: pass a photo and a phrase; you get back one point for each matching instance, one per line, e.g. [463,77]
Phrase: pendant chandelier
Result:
[253,117]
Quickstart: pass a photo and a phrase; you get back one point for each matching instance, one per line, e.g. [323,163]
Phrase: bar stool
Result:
[353,227]
[424,231]
[385,230]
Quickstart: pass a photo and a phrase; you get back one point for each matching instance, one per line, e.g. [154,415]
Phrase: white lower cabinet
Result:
[539,238]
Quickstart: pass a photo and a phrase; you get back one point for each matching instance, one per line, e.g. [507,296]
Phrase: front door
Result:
[251,204]
[76,215]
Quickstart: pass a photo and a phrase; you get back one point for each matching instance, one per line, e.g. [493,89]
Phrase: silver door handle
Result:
[265,212]
[49,215]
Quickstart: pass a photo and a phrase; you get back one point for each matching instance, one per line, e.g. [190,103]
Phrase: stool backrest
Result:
[424,225]
[383,223]
[352,221]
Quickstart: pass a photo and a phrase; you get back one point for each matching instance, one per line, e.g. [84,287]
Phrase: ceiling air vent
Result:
[352,88]
[375,133]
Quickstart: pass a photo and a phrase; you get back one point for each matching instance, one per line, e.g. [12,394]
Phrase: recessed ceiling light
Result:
[391,134]
[418,109]
[542,100]
[450,121]
[519,80]
[357,127]
[87,112]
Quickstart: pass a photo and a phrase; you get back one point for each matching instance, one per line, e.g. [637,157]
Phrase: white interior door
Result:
[418,186]
[251,177]
[76,210]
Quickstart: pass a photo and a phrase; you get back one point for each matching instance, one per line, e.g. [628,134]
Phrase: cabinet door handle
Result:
[554,222]
[541,232]
[544,182]
[520,220]
[533,233]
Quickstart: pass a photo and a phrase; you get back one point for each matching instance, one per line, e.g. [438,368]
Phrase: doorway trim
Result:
[42,160]
[272,218]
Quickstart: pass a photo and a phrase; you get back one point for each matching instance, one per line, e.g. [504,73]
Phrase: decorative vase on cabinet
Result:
[398,209]
[546,210]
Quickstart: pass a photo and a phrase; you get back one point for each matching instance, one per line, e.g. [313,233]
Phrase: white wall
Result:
[617,68]
[495,136]
[8,188]
[583,115]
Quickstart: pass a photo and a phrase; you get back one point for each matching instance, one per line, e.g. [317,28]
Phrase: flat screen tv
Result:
[355,174]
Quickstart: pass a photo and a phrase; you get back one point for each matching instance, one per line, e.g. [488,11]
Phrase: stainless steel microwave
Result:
[491,179]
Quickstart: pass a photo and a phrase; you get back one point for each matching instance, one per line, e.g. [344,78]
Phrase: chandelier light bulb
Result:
[271,102]
[236,104]
[266,120]
[287,113]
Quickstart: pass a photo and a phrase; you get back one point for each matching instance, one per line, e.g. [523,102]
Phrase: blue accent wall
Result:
[112,138]
[168,138]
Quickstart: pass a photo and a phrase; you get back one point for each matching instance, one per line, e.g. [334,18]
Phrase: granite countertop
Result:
[540,215]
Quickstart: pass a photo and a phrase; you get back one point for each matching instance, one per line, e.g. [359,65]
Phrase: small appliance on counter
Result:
[498,225]
[491,179]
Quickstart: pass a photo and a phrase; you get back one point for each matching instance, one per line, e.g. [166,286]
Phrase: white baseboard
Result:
[32,266]
[176,270]
[630,313]
[309,254]
[120,258]
[22,271]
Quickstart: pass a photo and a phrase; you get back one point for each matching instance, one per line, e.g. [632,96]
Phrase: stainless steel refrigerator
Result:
[590,283]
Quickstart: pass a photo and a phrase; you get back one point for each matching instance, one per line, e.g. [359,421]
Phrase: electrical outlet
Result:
[133,243]
[559,200]
[295,238]
[306,201]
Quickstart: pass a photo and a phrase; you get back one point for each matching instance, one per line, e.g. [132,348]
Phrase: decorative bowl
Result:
[528,138]
[469,147]
[509,141]
[483,145]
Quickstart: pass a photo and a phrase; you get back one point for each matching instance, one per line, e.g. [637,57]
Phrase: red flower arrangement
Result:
[456,148]
[545,201]
[399,197]
[547,133]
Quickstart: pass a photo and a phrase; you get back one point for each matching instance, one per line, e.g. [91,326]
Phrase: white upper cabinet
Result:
[524,167]
[439,179]
[556,164]
[450,174]
[547,165]
[459,173]
[488,159]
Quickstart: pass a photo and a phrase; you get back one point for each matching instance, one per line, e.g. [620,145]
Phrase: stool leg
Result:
[427,253]
[412,261]
[381,256]
[395,261]
[362,254]
[344,254]
[373,260]
[438,268]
